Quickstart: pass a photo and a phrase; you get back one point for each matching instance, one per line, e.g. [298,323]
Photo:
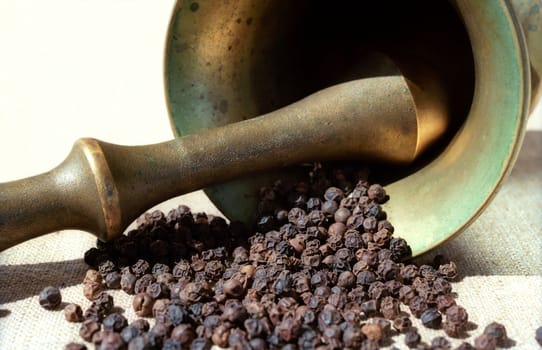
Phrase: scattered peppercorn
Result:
[91,289]
[485,342]
[73,313]
[323,271]
[497,332]
[75,346]
[431,318]
[50,298]
[114,322]
[412,339]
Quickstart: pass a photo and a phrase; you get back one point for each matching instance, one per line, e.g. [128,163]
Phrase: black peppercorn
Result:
[112,341]
[234,311]
[106,267]
[498,332]
[141,267]
[440,343]
[73,313]
[412,339]
[75,346]
[177,314]
[485,342]
[465,346]
[221,334]
[127,282]
[103,301]
[431,318]
[50,298]
[112,280]
[171,344]
[200,344]
[402,323]
[141,342]
[538,335]
[130,332]
[114,322]
[143,304]
[184,334]
[88,328]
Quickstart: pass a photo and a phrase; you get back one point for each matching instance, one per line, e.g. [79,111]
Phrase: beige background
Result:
[74,68]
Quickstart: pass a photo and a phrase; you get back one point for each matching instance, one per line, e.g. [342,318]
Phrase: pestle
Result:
[101,187]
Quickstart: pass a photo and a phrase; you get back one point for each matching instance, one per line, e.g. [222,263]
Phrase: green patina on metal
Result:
[213,57]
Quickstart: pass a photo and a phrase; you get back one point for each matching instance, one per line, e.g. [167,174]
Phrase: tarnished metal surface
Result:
[476,49]
[529,13]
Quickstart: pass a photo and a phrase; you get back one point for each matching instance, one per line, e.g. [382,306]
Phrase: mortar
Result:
[232,61]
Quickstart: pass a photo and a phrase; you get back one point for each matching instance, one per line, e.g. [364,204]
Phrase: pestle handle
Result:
[101,187]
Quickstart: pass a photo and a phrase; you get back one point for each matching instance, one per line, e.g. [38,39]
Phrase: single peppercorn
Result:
[221,334]
[498,332]
[50,298]
[140,267]
[114,322]
[112,280]
[103,301]
[233,288]
[412,339]
[184,334]
[73,313]
[141,342]
[91,289]
[431,318]
[92,276]
[234,311]
[106,267]
[372,331]
[538,335]
[127,282]
[158,334]
[377,193]
[130,332]
[465,346]
[171,344]
[160,309]
[141,324]
[389,307]
[112,341]
[417,306]
[485,342]
[75,346]
[440,343]
[334,194]
[88,328]
[402,323]
[177,314]
[142,304]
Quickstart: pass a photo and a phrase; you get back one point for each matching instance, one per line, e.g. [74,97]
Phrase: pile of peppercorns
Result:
[322,271]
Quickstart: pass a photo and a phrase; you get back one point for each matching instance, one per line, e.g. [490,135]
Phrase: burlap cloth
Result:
[499,259]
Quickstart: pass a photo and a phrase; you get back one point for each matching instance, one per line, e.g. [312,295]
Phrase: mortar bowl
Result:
[230,61]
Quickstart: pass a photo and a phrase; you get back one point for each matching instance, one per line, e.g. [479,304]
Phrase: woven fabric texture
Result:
[499,259]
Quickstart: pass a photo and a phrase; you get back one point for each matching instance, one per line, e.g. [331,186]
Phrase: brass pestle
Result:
[101,187]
